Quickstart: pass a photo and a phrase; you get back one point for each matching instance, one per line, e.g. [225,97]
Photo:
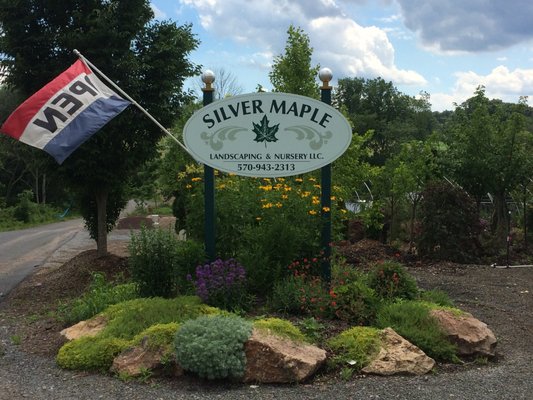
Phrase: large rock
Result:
[135,361]
[398,356]
[472,336]
[91,327]
[272,359]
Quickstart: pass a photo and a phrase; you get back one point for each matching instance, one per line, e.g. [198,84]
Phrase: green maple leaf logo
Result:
[265,133]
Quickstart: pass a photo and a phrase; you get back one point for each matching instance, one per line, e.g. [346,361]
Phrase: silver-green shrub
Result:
[213,347]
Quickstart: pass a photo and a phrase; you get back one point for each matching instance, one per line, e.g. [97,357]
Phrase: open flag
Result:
[65,113]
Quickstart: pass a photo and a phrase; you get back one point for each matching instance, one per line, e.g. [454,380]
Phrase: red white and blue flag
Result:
[65,113]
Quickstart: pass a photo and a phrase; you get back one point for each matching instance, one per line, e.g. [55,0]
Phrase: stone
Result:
[471,336]
[135,361]
[91,327]
[398,356]
[273,359]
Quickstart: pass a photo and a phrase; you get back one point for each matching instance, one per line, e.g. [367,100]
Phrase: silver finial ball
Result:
[325,75]
[208,77]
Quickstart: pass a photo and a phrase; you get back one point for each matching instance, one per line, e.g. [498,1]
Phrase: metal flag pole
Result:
[123,93]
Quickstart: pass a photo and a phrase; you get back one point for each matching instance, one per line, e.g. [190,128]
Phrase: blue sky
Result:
[444,47]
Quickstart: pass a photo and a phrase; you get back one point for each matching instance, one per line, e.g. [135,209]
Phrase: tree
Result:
[149,60]
[490,147]
[225,84]
[292,71]
[393,117]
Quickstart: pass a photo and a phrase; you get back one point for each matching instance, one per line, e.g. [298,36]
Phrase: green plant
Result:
[281,328]
[354,348]
[100,295]
[222,283]
[25,209]
[285,297]
[346,373]
[190,254]
[390,280]
[16,340]
[213,347]
[412,320]
[159,262]
[436,296]
[90,353]
[129,318]
[355,302]
[312,329]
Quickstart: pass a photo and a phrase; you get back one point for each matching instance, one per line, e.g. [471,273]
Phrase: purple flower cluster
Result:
[219,282]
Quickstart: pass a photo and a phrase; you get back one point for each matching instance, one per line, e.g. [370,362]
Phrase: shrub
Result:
[100,295]
[436,296]
[449,224]
[390,280]
[222,284]
[285,296]
[127,319]
[354,347]
[25,209]
[90,353]
[159,262]
[411,319]
[281,328]
[158,336]
[213,347]
[355,302]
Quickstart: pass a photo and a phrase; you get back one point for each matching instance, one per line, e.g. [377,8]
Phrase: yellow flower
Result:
[266,188]
[312,180]
[266,179]
[312,212]
[316,201]
[343,211]
[333,198]
[326,209]
[222,186]
[279,205]
[196,179]
[281,179]
[305,194]
[187,186]
[316,186]
[284,196]
[263,200]
[299,180]
[267,205]
[258,218]
[287,188]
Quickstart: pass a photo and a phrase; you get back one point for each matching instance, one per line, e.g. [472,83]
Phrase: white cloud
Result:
[340,43]
[157,12]
[500,83]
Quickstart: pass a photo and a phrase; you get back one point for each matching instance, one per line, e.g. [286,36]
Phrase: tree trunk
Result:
[101,205]
[36,187]
[43,192]
[500,219]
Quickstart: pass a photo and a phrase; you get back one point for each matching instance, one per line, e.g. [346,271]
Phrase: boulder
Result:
[272,359]
[133,362]
[91,327]
[398,356]
[471,336]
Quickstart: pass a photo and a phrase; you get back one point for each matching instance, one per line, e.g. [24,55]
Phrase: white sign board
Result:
[267,134]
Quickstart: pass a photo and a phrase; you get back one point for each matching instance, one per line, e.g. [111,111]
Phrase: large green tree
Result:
[490,148]
[292,71]
[393,117]
[147,59]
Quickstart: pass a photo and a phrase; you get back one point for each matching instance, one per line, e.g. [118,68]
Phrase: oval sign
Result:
[267,134]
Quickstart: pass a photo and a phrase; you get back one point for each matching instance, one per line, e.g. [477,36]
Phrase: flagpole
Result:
[123,93]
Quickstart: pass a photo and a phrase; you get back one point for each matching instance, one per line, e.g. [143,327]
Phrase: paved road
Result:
[23,250]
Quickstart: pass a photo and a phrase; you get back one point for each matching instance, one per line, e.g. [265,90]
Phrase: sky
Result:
[446,48]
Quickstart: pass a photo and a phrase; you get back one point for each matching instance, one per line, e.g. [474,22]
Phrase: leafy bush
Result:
[127,319]
[436,296]
[354,347]
[411,319]
[159,262]
[285,296]
[390,280]
[25,208]
[355,302]
[449,224]
[158,336]
[213,347]
[100,295]
[222,284]
[280,327]
[91,353]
